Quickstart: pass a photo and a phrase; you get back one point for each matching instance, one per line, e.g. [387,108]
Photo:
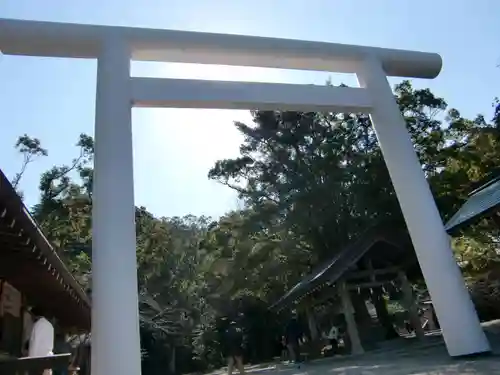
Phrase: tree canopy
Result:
[310,183]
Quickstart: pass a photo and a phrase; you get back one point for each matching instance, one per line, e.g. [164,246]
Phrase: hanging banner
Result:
[10,300]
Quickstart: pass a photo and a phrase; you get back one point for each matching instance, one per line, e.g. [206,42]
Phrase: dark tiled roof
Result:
[31,264]
[330,271]
[480,202]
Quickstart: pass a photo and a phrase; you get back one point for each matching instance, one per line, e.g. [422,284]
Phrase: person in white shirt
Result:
[41,342]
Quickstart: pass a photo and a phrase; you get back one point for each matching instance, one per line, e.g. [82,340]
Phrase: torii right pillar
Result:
[462,331]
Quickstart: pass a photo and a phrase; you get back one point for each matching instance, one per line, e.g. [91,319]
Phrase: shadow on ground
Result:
[404,356]
[388,366]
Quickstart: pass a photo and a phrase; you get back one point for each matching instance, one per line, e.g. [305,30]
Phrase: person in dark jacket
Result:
[293,333]
[61,346]
[232,347]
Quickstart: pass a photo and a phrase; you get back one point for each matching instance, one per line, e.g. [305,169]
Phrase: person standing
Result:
[283,349]
[61,346]
[41,343]
[232,345]
[293,333]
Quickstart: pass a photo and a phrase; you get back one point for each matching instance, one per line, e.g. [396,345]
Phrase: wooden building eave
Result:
[31,264]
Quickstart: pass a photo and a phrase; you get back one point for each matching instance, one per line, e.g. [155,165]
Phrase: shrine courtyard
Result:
[405,356]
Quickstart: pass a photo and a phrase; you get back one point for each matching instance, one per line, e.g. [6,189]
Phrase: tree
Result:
[310,182]
[322,175]
[31,149]
[322,178]
[175,272]
[470,157]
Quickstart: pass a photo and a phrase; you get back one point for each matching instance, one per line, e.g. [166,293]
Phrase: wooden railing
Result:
[33,365]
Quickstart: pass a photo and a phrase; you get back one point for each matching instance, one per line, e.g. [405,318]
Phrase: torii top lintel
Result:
[51,39]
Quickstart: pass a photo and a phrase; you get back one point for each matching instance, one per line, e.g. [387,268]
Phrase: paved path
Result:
[403,357]
[392,366]
[431,363]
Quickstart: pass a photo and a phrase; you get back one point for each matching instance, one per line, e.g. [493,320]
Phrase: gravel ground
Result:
[405,357]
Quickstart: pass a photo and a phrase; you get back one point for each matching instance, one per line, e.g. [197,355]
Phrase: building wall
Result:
[11,320]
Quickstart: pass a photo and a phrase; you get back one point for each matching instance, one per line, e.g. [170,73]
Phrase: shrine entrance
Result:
[115,320]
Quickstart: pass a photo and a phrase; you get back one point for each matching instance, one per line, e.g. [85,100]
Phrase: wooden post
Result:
[352,329]
[311,321]
[411,306]
[378,301]
[172,362]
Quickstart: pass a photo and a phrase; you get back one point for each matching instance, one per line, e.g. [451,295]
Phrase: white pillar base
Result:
[115,317]
[461,329]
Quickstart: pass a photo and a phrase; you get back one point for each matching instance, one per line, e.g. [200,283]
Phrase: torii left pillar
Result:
[115,315]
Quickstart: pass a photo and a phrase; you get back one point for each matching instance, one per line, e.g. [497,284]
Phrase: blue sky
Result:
[174,149]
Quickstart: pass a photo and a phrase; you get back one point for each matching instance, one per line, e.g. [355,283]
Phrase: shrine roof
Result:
[30,264]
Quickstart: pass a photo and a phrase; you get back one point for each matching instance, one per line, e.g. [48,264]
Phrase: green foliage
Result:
[321,176]
[31,149]
[311,183]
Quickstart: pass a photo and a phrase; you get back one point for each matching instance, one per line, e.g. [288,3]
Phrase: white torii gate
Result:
[115,323]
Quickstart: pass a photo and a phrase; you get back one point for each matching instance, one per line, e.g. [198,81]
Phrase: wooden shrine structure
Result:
[380,260]
[32,273]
